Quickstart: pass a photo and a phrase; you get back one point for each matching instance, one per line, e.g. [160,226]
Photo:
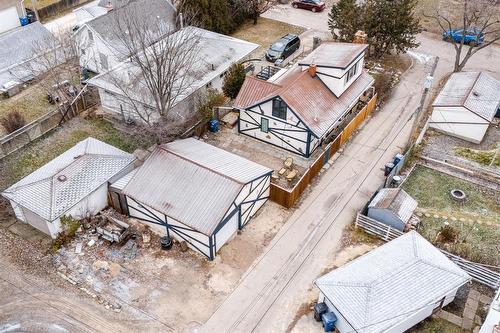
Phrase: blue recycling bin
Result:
[24,20]
[398,158]
[329,320]
[213,125]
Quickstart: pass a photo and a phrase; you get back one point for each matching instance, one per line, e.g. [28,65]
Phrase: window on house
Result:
[264,125]
[104,60]
[279,108]
[351,72]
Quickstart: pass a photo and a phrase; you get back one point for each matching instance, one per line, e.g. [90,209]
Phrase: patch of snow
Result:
[422,58]
[10,328]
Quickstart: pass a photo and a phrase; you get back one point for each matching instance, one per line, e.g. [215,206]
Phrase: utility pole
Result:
[418,112]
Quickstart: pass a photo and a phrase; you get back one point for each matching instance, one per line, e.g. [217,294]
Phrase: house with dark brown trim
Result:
[303,108]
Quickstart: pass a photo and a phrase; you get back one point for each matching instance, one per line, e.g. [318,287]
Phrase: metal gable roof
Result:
[310,98]
[395,200]
[476,91]
[383,287]
[85,167]
[192,182]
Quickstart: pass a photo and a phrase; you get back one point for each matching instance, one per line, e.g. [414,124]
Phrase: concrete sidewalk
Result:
[272,290]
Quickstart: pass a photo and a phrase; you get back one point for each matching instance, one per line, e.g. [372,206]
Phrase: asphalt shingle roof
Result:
[385,286]
[63,182]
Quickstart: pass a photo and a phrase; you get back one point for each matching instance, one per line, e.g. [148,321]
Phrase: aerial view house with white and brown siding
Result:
[301,109]
[197,193]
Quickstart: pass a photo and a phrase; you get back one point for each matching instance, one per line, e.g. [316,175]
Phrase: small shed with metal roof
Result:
[197,193]
[466,105]
[73,184]
[391,288]
[392,206]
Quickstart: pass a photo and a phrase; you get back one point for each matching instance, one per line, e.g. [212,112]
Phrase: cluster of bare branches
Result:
[477,18]
[55,63]
[161,57]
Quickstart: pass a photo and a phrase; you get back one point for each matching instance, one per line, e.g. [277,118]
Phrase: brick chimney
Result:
[312,70]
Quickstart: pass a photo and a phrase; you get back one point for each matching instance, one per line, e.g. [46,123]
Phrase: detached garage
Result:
[466,106]
[197,193]
[73,184]
[391,288]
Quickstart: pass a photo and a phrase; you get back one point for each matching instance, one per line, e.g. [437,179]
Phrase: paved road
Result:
[271,291]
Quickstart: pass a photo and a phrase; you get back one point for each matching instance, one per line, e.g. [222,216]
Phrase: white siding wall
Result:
[88,51]
[227,231]
[342,325]
[9,19]
[337,84]
[448,121]
[135,211]
[406,321]
[18,211]
[294,141]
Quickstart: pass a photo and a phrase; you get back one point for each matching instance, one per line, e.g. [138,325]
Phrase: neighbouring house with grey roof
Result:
[466,105]
[73,184]
[391,288]
[123,90]
[394,207]
[19,51]
[195,192]
[100,46]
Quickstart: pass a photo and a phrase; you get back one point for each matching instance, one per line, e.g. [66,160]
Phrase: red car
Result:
[312,5]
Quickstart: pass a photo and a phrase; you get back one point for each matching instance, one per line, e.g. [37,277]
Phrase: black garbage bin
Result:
[319,310]
[166,243]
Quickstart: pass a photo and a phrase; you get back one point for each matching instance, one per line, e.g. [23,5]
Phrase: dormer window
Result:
[279,108]
[351,73]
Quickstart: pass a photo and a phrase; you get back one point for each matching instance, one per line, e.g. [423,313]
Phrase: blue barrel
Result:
[213,125]
[329,320]
[24,20]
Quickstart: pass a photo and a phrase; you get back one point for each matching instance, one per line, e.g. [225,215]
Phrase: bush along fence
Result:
[479,272]
[32,131]
[288,197]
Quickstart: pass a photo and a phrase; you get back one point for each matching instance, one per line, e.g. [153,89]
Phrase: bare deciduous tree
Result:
[477,18]
[157,72]
[55,62]
[259,7]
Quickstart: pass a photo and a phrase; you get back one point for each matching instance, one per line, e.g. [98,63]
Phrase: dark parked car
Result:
[312,5]
[283,48]
[472,36]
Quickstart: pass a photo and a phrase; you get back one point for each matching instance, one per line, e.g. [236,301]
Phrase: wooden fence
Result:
[479,272]
[288,197]
[32,131]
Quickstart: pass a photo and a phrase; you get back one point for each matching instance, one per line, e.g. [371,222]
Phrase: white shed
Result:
[73,184]
[466,106]
[197,193]
[391,288]
[392,206]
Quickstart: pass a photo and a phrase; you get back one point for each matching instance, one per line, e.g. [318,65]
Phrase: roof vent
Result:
[476,94]
[62,178]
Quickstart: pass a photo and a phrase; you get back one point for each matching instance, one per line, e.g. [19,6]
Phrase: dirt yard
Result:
[273,157]
[165,284]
